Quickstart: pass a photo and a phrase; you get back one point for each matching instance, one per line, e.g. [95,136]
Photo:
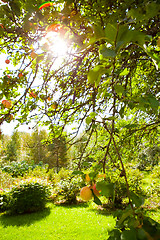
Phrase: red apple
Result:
[32,94]
[20,75]
[7,61]
[96,192]
[54,105]
[6,103]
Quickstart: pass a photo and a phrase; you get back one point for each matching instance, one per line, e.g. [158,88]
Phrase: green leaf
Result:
[154,103]
[107,53]
[124,72]
[124,216]
[136,200]
[88,120]
[129,234]
[119,89]
[98,32]
[121,111]
[111,118]
[123,36]
[151,227]
[107,189]
[93,114]
[77,173]
[139,37]
[152,9]
[141,234]
[111,32]
[135,13]
[94,75]
[114,234]
[130,126]
[96,199]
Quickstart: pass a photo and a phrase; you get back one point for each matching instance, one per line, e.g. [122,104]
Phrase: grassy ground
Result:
[57,223]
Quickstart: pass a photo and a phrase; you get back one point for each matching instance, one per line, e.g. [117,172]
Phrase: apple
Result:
[32,94]
[9,118]
[54,105]
[6,103]
[20,75]
[86,193]
[7,61]
[33,55]
[96,192]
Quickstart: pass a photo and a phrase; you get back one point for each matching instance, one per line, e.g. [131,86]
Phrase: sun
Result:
[55,44]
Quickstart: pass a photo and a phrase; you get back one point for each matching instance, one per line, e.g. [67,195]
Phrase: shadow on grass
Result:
[97,210]
[23,219]
[76,205]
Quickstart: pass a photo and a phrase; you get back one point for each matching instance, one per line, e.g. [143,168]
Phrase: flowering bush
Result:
[68,189]
[6,180]
[4,199]
[29,195]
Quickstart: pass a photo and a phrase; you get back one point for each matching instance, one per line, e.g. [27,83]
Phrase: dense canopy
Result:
[84,65]
[75,65]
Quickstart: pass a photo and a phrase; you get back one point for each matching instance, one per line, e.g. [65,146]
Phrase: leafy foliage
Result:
[68,189]
[6,180]
[108,81]
[28,195]
[149,157]
[17,169]
[4,200]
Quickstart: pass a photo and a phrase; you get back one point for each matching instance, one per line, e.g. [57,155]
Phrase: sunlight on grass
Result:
[57,222]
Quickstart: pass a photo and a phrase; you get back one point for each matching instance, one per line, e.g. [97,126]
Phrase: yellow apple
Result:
[86,193]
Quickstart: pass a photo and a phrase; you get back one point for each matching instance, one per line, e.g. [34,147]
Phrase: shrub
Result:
[154,187]
[38,172]
[6,180]
[4,199]
[17,169]
[29,195]
[149,157]
[115,177]
[69,188]
[61,175]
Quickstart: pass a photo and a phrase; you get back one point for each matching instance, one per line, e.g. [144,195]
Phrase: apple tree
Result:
[77,63]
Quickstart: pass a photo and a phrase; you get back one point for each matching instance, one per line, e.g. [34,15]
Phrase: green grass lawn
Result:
[57,223]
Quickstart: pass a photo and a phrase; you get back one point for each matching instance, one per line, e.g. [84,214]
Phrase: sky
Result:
[8,128]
